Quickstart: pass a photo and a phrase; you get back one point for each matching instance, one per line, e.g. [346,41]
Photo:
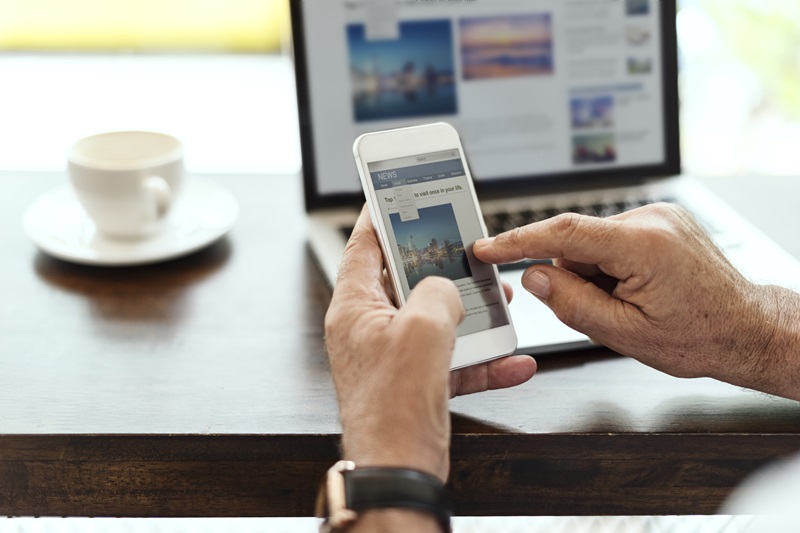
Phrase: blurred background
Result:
[212,72]
[740,86]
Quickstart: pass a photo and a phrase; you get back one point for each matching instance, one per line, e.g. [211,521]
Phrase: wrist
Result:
[769,343]
[398,449]
[382,434]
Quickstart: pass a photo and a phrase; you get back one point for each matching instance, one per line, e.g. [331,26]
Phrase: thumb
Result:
[437,301]
[580,304]
[427,323]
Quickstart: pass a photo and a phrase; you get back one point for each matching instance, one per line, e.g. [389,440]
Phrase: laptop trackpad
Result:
[538,329]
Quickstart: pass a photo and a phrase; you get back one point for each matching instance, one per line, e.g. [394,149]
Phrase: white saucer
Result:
[57,223]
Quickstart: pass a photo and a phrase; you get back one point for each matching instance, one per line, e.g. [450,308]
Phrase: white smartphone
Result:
[423,205]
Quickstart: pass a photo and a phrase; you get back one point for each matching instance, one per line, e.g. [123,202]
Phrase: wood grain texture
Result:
[492,474]
[199,387]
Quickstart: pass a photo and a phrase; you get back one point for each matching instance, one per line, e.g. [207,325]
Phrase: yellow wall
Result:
[229,25]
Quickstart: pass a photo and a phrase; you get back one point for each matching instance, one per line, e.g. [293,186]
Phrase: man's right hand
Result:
[651,284]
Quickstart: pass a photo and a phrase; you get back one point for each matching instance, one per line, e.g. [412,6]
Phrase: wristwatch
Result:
[347,491]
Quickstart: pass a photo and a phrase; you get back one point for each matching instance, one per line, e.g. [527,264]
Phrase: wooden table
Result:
[200,387]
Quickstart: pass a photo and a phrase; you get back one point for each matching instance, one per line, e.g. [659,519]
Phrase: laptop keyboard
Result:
[500,222]
[503,221]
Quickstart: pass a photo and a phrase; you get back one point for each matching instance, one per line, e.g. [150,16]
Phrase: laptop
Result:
[562,106]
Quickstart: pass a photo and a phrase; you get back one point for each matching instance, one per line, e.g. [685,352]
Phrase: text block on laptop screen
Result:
[534,87]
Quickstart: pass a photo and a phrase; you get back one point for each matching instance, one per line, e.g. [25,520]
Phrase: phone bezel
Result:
[378,146]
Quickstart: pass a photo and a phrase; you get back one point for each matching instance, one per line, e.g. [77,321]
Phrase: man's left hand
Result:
[391,367]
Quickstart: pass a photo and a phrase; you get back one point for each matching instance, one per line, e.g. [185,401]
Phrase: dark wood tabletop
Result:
[200,387]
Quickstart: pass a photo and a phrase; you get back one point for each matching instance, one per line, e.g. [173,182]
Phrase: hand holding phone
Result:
[425,211]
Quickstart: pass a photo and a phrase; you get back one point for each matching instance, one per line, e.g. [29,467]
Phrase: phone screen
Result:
[430,217]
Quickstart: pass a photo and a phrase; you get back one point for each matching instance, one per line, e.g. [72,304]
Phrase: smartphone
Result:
[426,214]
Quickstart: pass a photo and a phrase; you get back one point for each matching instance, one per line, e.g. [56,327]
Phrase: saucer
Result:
[58,225]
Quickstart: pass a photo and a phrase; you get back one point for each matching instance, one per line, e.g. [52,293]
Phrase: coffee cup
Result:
[127,181]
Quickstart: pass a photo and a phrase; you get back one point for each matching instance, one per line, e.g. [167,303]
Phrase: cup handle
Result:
[159,190]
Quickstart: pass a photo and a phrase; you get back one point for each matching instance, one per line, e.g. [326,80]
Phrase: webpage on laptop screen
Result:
[432,224]
[533,86]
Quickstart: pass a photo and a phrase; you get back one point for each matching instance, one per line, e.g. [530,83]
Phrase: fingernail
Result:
[482,243]
[537,283]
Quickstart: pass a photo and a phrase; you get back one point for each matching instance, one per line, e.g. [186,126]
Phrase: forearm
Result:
[772,348]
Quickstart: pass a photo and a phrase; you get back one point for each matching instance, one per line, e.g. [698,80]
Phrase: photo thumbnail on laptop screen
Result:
[432,224]
[534,87]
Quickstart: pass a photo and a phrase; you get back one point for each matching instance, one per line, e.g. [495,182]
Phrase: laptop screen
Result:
[539,90]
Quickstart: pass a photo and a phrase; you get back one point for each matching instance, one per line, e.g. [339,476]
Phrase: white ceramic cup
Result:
[127,181]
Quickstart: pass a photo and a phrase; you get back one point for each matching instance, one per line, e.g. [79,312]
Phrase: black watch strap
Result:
[347,491]
[386,488]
